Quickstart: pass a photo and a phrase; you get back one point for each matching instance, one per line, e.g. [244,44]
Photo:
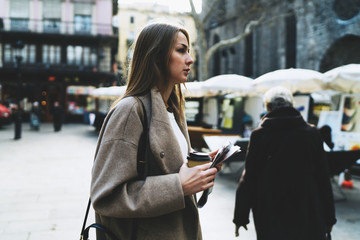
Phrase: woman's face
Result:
[180,60]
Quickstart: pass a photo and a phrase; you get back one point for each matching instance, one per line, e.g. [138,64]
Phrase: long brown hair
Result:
[150,64]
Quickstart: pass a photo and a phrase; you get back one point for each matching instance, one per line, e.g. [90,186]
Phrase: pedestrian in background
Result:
[163,205]
[286,180]
[35,115]
[58,116]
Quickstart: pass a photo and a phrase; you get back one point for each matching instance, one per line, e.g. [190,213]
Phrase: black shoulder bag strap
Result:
[144,156]
[142,169]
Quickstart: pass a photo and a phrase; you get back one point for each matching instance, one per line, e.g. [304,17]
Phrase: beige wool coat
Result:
[154,208]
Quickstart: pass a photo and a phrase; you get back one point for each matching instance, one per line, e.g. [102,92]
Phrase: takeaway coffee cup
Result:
[198,158]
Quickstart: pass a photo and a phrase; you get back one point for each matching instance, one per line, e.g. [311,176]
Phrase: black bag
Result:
[85,231]
[142,169]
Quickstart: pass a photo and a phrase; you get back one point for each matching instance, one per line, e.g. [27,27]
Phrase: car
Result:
[5,115]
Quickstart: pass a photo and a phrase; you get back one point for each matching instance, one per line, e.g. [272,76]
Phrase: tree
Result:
[204,52]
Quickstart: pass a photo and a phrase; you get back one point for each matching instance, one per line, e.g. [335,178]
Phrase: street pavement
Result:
[45,181]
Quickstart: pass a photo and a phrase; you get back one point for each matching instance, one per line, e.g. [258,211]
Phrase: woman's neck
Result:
[166,94]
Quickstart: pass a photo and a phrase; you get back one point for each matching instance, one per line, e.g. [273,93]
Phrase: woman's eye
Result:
[182,50]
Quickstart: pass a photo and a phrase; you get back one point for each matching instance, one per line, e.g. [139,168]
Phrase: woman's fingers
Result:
[213,154]
[204,166]
[209,184]
[196,179]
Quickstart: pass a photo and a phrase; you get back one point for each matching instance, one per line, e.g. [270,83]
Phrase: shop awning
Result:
[79,90]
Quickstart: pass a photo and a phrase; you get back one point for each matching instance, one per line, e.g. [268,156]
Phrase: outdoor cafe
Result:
[227,107]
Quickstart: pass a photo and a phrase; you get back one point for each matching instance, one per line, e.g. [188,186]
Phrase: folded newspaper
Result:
[224,153]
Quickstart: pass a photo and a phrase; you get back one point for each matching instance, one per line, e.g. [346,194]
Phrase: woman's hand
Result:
[196,179]
[212,155]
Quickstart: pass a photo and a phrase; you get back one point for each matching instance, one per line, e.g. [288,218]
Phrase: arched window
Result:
[343,51]
[346,10]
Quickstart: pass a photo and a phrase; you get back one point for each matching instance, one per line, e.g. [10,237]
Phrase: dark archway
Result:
[343,51]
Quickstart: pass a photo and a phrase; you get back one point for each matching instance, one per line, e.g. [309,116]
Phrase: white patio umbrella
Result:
[194,89]
[229,83]
[295,79]
[98,92]
[110,93]
[345,78]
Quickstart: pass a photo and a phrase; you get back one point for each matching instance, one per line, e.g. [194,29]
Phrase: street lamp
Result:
[18,46]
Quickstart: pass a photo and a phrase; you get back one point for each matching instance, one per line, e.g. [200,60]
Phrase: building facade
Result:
[311,34]
[68,48]
[134,16]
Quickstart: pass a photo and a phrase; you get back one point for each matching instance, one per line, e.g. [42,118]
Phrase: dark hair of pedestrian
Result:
[149,65]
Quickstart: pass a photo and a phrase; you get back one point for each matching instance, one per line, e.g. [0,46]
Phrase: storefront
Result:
[79,103]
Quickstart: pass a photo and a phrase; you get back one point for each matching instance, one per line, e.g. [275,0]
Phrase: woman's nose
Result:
[189,60]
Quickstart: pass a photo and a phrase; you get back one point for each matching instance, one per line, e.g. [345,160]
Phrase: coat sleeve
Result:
[323,179]
[115,190]
[246,189]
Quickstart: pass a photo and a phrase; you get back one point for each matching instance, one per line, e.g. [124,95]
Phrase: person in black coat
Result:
[58,115]
[286,180]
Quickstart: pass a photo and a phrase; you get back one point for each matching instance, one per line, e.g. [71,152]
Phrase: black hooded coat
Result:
[286,181]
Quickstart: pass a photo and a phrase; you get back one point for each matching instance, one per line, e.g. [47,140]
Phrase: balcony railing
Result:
[54,26]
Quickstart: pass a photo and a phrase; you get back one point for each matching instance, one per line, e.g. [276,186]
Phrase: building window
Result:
[52,16]
[78,55]
[51,25]
[19,15]
[86,51]
[290,41]
[28,53]
[18,24]
[51,54]
[248,68]
[31,53]
[82,17]
[70,55]
[81,56]
[82,24]
[132,20]
[7,53]
[93,57]
[216,58]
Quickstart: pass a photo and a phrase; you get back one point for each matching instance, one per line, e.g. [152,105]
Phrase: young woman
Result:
[162,206]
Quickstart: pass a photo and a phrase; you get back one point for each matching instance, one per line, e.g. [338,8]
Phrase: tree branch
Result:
[194,14]
[229,42]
